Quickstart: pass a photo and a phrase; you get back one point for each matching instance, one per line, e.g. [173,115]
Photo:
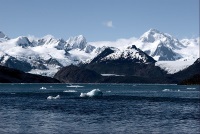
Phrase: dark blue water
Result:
[133,108]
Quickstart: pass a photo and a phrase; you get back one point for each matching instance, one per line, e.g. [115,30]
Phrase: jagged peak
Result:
[2,35]
[77,42]
[22,39]
[152,35]
[79,38]
[48,37]
[153,30]
[132,47]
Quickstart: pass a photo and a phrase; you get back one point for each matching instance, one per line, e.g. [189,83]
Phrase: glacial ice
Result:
[43,88]
[51,97]
[92,93]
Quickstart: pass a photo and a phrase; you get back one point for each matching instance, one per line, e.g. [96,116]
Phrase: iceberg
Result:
[166,90]
[51,97]
[43,88]
[92,93]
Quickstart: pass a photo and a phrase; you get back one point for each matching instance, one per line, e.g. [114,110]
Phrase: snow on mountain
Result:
[161,46]
[130,53]
[190,42]
[154,35]
[191,51]
[44,55]
[47,54]
[76,42]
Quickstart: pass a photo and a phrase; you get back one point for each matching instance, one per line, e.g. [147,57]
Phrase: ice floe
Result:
[43,88]
[166,90]
[92,93]
[53,98]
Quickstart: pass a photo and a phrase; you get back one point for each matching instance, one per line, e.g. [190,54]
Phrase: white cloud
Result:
[109,24]
[119,43]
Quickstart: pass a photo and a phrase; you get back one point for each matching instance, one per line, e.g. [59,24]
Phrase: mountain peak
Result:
[152,35]
[152,30]
[3,36]
[23,41]
[48,37]
[77,42]
[79,38]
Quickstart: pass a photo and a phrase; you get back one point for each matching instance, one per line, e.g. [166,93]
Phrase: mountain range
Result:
[46,55]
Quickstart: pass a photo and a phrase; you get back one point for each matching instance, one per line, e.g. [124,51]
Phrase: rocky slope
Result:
[129,62]
[187,73]
[194,80]
[74,74]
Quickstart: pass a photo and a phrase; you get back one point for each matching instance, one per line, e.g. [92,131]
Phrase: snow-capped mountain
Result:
[130,61]
[161,46]
[47,54]
[191,51]
[44,55]
[130,54]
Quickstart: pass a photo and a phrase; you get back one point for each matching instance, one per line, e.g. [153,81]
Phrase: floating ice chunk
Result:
[43,88]
[166,90]
[108,91]
[51,97]
[93,93]
[83,95]
[70,91]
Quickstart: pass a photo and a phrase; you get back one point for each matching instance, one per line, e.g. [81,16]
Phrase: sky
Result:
[99,20]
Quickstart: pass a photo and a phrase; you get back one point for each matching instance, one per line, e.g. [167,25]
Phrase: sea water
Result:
[123,108]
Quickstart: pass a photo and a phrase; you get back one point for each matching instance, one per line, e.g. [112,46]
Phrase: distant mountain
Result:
[160,46]
[8,75]
[43,55]
[130,54]
[46,55]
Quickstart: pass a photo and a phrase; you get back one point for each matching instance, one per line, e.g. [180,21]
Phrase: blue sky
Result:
[99,20]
